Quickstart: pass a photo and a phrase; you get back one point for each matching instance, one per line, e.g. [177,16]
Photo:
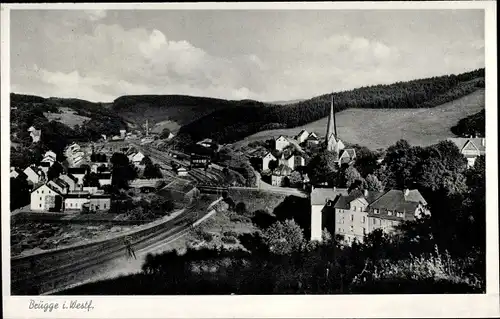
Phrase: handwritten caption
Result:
[64,305]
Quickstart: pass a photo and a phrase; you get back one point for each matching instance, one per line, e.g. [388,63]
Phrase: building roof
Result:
[395,200]
[461,142]
[44,164]
[48,186]
[344,200]
[104,175]
[32,168]
[350,151]
[77,170]
[319,196]
[302,132]
[60,182]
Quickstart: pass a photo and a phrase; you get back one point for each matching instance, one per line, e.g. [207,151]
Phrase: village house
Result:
[49,157]
[14,172]
[136,158]
[44,167]
[34,174]
[280,175]
[302,136]
[35,134]
[346,156]
[104,179]
[123,133]
[266,159]
[99,167]
[74,155]
[471,148]
[59,184]
[78,173]
[292,160]
[45,198]
[312,140]
[281,142]
[355,214]
[70,180]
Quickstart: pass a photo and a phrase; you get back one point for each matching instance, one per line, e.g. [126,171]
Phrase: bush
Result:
[229,240]
[230,233]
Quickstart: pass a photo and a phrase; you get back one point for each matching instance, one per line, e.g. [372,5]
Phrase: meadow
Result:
[380,128]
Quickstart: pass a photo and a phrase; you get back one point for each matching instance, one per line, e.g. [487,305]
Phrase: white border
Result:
[368,306]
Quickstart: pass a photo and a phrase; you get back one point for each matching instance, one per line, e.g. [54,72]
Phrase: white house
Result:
[76,201]
[35,134]
[123,133]
[33,174]
[50,154]
[346,156]
[322,200]
[281,142]
[45,197]
[312,139]
[266,159]
[44,167]
[471,148]
[104,179]
[136,158]
[292,161]
[302,136]
[60,185]
[14,172]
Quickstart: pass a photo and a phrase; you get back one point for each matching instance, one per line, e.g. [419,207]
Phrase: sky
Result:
[264,55]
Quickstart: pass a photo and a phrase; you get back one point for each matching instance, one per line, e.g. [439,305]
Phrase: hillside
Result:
[172,111]
[380,128]
[230,124]
[60,120]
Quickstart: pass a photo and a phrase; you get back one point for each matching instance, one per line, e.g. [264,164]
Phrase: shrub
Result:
[229,239]
[230,233]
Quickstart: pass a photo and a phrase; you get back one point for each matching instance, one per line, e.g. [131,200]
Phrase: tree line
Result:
[231,124]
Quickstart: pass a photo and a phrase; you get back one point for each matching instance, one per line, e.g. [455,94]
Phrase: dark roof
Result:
[104,175]
[319,196]
[44,164]
[395,200]
[60,182]
[77,170]
[74,179]
[344,200]
[351,152]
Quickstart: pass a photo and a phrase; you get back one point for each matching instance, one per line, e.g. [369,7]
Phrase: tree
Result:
[165,133]
[123,171]
[19,193]
[284,237]
[55,171]
[351,176]
[366,161]
[152,171]
[272,165]
[321,167]
[295,179]
[373,184]
[91,180]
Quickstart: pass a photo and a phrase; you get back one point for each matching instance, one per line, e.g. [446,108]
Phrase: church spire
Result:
[331,130]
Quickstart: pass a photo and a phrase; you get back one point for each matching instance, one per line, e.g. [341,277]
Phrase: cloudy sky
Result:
[264,55]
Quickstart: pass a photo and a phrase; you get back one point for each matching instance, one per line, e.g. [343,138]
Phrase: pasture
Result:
[67,117]
[380,128]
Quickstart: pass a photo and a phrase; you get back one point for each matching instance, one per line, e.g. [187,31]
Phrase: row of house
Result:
[360,212]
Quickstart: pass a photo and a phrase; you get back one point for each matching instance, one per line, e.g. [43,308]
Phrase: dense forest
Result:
[28,110]
[232,124]
[474,125]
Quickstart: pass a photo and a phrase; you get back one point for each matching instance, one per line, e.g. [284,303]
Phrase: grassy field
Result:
[68,117]
[380,128]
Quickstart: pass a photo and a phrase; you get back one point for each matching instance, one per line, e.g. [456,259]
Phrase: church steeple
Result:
[331,131]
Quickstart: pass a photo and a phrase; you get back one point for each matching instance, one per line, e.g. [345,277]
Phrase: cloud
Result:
[95,15]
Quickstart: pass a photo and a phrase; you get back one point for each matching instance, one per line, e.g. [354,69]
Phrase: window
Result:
[364,231]
[389,213]
[352,229]
[374,221]
[42,191]
[400,214]
[38,192]
[70,204]
[340,229]
[375,211]
[104,206]
[352,218]
[354,208]
[363,219]
[40,205]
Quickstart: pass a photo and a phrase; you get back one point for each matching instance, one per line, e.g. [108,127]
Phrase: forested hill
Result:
[232,124]
[181,109]
[60,120]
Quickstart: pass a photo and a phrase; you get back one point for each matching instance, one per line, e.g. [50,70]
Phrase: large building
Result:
[355,214]
[471,148]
